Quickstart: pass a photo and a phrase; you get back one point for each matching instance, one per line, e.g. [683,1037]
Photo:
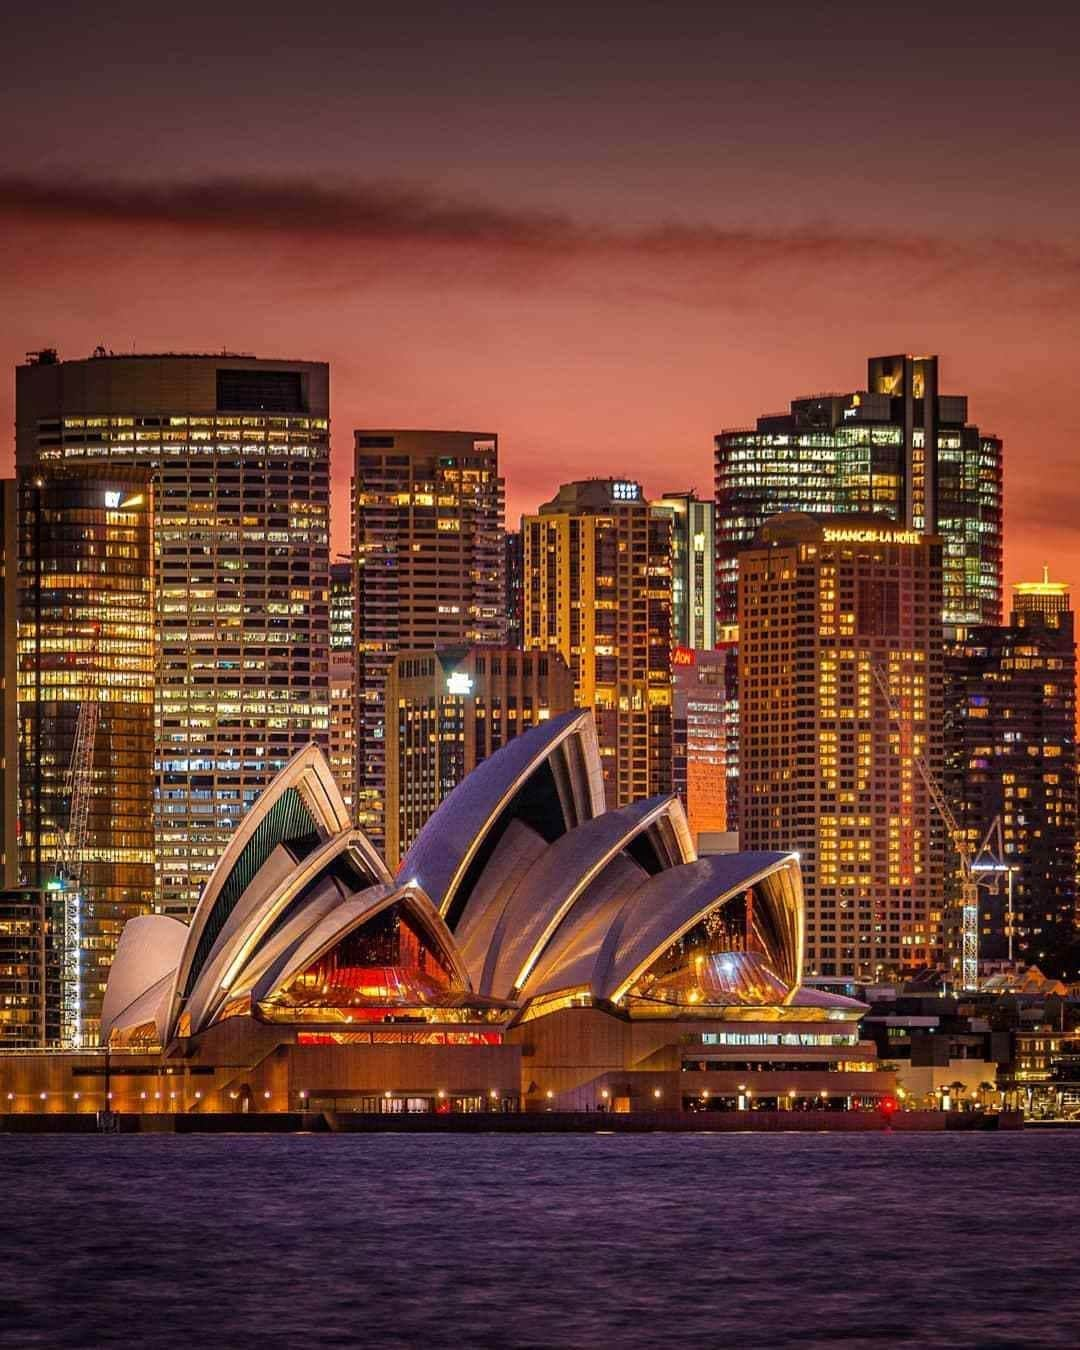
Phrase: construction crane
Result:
[991,859]
[970,859]
[78,785]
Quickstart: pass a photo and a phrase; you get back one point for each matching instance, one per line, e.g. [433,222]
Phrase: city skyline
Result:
[538,550]
[625,228]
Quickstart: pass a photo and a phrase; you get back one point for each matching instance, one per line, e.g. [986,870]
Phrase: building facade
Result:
[9,681]
[30,994]
[840,678]
[341,751]
[428,540]
[449,709]
[86,714]
[699,737]
[598,593]
[341,741]
[239,453]
[515,587]
[342,605]
[1011,752]
[693,568]
[899,448]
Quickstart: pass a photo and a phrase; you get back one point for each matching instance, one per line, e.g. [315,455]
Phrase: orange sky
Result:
[605,241]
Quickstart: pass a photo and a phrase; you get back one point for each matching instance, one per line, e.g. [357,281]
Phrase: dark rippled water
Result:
[594,1241]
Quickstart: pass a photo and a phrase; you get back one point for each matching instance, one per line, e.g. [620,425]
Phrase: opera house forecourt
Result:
[534,952]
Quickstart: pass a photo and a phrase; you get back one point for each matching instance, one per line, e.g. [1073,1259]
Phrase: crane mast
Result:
[967,855]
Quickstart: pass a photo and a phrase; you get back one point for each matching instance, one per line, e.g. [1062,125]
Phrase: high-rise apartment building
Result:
[239,454]
[899,448]
[449,709]
[699,738]
[598,592]
[840,678]
[9,719]
[342,605]
[515,587]
[341,751]
[86,713]
[1011,752]
[428,539]
[693,568]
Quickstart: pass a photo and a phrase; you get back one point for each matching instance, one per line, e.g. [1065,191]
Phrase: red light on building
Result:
[683,656]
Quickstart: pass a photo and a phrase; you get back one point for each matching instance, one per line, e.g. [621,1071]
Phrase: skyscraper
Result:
[700,729]
[428,539]
[598,592]
[86,684]
[900,448]
[239,454]
[449,709]
[343,702]
[693,568]
[515,587]
[840,678]
[1011,752]
[9,719]
[342,605]
[29,972]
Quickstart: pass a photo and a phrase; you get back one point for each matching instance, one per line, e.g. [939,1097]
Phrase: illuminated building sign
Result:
[683,656]
[114,501]
[872,536]
[625,492]
[459,683]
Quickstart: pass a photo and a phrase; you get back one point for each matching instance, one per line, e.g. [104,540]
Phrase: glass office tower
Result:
[86,714]
[900,448]
[239,456]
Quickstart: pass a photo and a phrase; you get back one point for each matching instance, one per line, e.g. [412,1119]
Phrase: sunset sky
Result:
[604,232]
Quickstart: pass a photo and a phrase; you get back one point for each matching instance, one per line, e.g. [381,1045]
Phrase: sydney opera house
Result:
[534,951]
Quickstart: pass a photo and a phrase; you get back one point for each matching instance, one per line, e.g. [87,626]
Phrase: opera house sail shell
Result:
[521,897]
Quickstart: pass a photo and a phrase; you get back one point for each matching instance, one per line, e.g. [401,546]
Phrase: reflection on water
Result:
[597,1241]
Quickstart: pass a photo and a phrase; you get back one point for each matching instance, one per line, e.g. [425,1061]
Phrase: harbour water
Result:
[264,1241]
